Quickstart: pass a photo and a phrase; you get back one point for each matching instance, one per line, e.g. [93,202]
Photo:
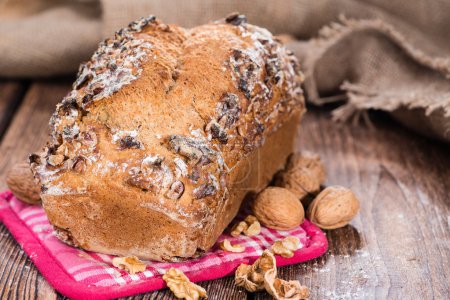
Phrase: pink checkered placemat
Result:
[81,274]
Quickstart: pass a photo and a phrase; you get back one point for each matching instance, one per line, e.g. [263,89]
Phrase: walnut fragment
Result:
[250,227]
[226,245]
[195,150]
[252,277]
[263,275]
[182,287]
[254,227]
[55,160]
[131,264]
[286,246]
[238,228]
[284,290]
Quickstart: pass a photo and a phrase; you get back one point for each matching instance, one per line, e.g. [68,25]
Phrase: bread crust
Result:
[164,133]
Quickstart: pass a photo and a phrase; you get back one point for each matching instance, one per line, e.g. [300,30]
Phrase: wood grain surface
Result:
[398,247]
[11,93]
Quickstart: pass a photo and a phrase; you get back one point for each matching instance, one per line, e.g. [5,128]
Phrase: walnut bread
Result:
[164,133]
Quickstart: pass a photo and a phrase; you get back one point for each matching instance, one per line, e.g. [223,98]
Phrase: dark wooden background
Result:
[398,247]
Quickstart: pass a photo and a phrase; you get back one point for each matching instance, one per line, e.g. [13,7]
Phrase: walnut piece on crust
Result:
[182,287]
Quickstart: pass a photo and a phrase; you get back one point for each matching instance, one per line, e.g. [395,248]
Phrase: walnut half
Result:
[182,287]
[254,227]
[226,245]
[250,227]
[286,246]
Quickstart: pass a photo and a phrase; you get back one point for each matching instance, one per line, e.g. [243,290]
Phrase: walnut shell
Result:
[21,182]
[252,277]
[303,175]
[284,290]
[278,208]
[333,208]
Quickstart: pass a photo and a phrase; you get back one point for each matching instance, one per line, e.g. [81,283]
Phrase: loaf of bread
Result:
[165,132]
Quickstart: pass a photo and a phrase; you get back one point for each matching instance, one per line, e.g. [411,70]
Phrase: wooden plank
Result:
[11,94]
[397,247]
[219,289]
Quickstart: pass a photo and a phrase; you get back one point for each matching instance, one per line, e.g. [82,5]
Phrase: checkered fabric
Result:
[82,274]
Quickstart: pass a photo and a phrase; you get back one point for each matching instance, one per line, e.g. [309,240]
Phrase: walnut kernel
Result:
[253,229]
[182,287]
[241,278]
[263,275]
[250,227]
[55,160]
[286,246]
[226,245]
[131,264]
[238,228]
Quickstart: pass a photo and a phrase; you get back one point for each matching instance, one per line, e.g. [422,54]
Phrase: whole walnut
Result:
[278,208]
[303,175]
[21,182]
[333,208]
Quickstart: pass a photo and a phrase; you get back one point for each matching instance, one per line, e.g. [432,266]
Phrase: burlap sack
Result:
[387,55]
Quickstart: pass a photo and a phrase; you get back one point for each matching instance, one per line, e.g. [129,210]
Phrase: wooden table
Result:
[398,247]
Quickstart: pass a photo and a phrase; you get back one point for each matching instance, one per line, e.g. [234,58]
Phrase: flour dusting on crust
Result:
[104,145]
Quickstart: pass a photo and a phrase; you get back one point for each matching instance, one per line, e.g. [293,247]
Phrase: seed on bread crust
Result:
[236,19]
[176,190]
